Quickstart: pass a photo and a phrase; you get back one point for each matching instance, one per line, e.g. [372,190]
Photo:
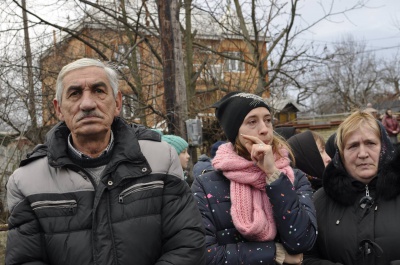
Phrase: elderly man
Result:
[100,191]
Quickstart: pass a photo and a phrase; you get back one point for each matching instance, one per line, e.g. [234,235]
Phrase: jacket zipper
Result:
[67,204]
[140,187]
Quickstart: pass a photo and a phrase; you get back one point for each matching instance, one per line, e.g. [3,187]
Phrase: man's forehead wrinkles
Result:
[86,83]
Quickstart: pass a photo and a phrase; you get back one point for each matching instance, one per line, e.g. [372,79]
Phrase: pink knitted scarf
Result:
[251,209]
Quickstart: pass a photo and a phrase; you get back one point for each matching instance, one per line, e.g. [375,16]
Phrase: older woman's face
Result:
[361,154]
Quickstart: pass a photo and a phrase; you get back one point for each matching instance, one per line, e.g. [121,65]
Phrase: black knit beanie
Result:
[233,108]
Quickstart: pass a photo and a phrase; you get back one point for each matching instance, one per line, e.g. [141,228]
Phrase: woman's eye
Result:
[352,146]
[267,121]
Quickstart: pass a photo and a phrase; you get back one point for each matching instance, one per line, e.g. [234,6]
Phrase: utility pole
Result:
[173,70]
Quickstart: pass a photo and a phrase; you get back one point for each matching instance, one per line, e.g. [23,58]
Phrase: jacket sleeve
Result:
[294,212]
[313,257]
[183,232]
[396,125]
[24,240]
[240,253]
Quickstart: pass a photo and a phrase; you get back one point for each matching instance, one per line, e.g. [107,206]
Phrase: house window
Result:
[128,106]
[120,53]
[211,72]
[235,62]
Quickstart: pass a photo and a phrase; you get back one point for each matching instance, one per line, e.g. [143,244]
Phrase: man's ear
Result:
[118,103]
[57,108]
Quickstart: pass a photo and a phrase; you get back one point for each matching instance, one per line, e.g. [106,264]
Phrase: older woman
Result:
[358,209]
[256,209]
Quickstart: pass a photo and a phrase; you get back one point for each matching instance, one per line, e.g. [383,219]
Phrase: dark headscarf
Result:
[330,146]
[285,132]
[341,187]
[307,156]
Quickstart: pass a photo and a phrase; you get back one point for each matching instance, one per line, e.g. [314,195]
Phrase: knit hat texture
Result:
[160,132]
[214,147]
[176,141]
[233,108]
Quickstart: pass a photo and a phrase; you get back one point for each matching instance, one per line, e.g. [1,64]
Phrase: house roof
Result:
[204,24]
[394,105]
[285,105]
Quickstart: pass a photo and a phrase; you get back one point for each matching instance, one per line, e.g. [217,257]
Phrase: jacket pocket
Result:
[54,208]
[150,188]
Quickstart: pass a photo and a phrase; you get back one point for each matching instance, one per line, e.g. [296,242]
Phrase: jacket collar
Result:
[126,148]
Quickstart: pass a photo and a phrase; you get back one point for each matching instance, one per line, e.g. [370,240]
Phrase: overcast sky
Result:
[374,24]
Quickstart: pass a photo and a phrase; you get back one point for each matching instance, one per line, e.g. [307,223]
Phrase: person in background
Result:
[309,154]
[256,208]
[181,147]
[204,162]
[358,208]
[372,111]
[391,125]
[100,191]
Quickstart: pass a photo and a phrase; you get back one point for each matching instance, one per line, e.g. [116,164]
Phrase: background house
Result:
[218,58]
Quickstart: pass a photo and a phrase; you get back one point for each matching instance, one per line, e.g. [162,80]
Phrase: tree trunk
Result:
[173,70]
[31,89]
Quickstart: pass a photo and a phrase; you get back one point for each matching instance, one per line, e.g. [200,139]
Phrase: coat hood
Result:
[344,189]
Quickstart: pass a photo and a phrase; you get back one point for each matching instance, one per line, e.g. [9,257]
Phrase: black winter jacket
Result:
[141,212]
[352,231]
[293,210]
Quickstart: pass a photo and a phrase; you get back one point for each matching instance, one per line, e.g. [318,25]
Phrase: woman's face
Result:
[184,158]
[325,157]
[361,154]
[257,123]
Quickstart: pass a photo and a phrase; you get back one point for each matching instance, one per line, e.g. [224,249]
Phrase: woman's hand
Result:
[293,259]
[261,154]
[282,257]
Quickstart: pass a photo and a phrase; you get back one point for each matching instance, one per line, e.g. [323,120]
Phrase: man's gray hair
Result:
[112,75]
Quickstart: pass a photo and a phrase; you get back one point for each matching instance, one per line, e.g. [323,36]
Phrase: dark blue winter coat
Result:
[294,216]
[203,165]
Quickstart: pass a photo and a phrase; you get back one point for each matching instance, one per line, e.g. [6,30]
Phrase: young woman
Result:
[358,208]
[256,208]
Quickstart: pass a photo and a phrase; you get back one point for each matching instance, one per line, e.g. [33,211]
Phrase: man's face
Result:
[88,105]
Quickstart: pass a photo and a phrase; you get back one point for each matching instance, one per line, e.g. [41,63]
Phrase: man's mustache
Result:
[89,114]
